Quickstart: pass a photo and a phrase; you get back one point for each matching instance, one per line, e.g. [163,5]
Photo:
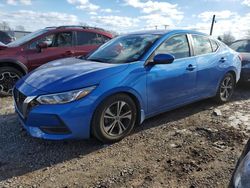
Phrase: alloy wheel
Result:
[116,118]
[226,88]
[7,82]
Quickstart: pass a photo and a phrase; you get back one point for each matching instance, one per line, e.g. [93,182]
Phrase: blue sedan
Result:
[127,80]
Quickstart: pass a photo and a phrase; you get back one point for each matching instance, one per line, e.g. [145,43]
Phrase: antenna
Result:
[212,25]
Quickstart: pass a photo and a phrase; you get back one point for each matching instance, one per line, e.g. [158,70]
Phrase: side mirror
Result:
[41,45]
[163,59]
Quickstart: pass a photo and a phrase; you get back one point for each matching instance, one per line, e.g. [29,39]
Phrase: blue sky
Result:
[130,15]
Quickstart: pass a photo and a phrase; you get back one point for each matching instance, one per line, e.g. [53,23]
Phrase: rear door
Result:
[87,42]
[172,84]
[60,45]
[208,61]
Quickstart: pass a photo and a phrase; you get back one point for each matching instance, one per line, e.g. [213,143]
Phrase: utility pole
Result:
[166,26]
[156,27]
[212,25]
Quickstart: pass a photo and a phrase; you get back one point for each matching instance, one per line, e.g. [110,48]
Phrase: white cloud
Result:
[84,5]
[118,23]
[25,2]
[224,14]
[157,13]
[246,2]
[232,22]
[38,19]
[16,2]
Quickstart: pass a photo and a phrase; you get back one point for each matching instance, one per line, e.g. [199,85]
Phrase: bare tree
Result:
[83,24]
[227,38]
[20,28]
[4,26]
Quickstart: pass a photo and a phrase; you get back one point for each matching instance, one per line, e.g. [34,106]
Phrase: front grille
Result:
[19,100]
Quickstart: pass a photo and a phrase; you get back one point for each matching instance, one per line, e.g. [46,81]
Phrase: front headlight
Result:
[65,97]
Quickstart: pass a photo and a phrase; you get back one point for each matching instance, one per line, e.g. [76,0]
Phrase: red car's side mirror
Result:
[41,45]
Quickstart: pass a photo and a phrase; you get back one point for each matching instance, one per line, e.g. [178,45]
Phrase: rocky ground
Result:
[193,146]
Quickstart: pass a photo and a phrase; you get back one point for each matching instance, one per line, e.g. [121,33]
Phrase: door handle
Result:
[190,67]
[222,60]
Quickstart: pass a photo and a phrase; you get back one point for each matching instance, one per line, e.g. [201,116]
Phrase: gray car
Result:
[241,174]
[243,47]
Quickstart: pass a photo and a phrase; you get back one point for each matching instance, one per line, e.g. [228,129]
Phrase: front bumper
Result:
[58,122]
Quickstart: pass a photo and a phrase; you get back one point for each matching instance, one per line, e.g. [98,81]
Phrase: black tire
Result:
[8,77]
[228,82]
[102,117]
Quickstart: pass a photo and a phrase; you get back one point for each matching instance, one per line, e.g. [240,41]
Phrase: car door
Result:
[87,42]
[208,72]
[172,84]
[59,46]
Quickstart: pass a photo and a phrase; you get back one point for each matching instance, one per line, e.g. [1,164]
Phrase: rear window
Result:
[201,45]
[241,46]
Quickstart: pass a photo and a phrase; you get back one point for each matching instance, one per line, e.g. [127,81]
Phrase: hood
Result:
[69,74]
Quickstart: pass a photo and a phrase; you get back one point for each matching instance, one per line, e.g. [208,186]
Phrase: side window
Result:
[177,46]
[48,39]
[214,44]
[63,39]
[201,45]
[89,38]
[85,38]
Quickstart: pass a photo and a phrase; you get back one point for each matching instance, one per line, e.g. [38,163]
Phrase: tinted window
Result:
[214,44]
[63,39]
[48,39]
[201,45]
[241,46]
[177,46]
[88,38]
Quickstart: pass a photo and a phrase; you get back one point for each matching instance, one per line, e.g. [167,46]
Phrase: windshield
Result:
[241,46]
[27,38]
[124,49]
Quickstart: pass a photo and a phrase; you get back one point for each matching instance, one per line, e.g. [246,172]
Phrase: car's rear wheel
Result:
[114,118]
[225,89]
[8,77]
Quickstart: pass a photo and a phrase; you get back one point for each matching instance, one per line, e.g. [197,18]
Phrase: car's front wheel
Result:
[8,77]
[114,118]
[226,88]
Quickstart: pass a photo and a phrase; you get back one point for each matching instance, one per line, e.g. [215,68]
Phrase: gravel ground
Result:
[193,146]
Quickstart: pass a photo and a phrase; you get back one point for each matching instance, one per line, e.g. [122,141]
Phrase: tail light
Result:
[240,57]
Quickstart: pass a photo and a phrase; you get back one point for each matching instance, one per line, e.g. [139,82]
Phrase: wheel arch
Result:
[132,94]
[15,64]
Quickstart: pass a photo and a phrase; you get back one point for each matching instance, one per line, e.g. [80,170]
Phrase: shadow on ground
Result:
[21,154]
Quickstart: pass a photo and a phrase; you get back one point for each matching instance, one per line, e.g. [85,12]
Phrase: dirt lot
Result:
[194,146]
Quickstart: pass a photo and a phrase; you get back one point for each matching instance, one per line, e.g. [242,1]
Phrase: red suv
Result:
[23,55]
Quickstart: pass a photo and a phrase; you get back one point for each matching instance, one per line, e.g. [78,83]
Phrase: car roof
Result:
[163,32]
[79,28]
